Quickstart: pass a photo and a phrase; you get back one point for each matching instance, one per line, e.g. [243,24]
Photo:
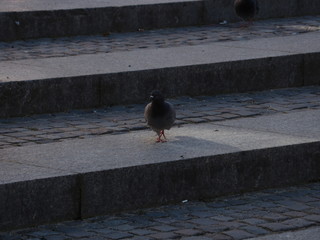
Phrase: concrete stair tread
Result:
[88,123]
[77,178]
[148,59]
[160,38]
[139,147]
[93,80]
[46,5]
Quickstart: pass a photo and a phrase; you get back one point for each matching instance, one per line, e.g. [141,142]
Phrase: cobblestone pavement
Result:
[110,42]
[46,128]
[234,217]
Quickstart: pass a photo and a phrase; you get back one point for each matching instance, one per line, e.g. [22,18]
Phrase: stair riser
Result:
[58,95]
[58,23]
[90,194]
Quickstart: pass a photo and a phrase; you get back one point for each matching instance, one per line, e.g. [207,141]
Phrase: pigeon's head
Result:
[156,96]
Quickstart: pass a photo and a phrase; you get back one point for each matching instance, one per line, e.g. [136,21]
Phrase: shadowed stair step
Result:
[46,18]
[90,80]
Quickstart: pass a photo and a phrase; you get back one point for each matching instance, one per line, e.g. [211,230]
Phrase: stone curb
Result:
[127,87]
[17,24]
[95,193]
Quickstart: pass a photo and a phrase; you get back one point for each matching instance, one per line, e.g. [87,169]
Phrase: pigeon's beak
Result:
[151,98]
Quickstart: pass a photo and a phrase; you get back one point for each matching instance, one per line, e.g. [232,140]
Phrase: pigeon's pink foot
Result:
[160,135]
[160,140]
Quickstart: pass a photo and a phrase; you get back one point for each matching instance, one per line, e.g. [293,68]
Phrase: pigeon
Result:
[159,114]
[246,9]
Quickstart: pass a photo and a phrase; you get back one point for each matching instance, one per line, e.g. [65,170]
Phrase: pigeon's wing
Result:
[170,116]
[147,113]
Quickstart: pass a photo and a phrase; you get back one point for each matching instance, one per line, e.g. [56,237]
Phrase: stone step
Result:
[81,178]
[44,84]
[46,18]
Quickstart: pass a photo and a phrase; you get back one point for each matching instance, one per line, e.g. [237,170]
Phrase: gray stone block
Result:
[48,95]
[111,18]
[48,20]
[39,201]
[87,81]
[206,79]
[202,177]
[129,171]
[312,69]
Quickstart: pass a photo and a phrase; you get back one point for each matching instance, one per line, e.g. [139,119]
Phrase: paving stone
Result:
[314,218]
[189,232]
[238,234]
[119,235]
[293,205]
[294,214]
[203,214]
[219,237]
[265,204]
[218,205]
[138,238]
[197,207]
[164,235]
[313,211]
[277,227]
[305,199]
[279,210]
[222,218]
[247,207]
[196,238]
[42,233]
[274,217]
[299,222]
[212,228]
[91,238]
[157,214]
[232,224]
[59,237]
[255,230]
[167,220]
[184,224]
[104,231]
[203,221]
[315,204]
[114,222]
[254,221]
[164,228]
[74,232]
[124,227]
[142,231]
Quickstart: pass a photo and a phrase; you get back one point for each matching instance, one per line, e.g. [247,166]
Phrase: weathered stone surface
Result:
[38,201]
[113,173]
[312,69]
[59,84]
[204,177]
[47,95]
[66,19]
